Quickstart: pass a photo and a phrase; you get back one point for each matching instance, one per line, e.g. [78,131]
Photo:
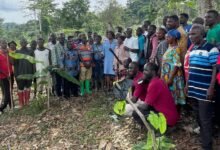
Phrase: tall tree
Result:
[154,10]
[1,27]
[44,9]
[74,13]
[111,13]
[204,5]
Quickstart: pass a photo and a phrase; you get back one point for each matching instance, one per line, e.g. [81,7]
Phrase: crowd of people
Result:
[171,66]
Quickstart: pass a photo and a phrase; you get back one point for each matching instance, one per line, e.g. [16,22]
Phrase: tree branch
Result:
[144,121]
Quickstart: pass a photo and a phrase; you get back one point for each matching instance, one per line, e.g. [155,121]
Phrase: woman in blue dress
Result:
[108,45]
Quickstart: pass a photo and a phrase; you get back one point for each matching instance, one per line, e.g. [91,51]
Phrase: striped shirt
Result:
[201,61]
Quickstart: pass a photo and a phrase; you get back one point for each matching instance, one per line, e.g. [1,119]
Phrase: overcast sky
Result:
[13,10]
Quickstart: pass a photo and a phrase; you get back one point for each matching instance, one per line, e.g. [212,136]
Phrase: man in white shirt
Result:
[52,41]
[146,25]
[44,55]
[131,45]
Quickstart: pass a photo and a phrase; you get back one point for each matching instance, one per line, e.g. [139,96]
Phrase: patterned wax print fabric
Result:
[70,62]
[109,57]
[98,53]
[98,60]
[56,54]
[170,60]
[161,49]
[85,53]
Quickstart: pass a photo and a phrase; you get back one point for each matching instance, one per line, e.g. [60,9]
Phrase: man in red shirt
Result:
[158,98]
[139,90]
[5,73]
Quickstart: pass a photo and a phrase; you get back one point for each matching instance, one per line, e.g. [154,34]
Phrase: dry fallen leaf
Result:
[109,146]
[102,144]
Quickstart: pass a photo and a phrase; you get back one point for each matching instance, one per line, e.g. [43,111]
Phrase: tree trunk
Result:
[204,6]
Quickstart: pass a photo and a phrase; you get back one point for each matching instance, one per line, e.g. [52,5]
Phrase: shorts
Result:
[85,74]
[22,84]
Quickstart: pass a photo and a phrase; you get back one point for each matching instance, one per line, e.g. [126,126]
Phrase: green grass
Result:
[139,146]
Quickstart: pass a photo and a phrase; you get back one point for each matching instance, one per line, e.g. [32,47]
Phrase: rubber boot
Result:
[87,82]
[27,93]
[21,98]
[82,88]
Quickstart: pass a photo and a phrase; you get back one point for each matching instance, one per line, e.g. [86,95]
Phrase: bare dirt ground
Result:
[80,124]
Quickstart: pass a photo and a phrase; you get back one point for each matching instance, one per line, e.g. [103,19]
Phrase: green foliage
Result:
[111,15]
[70,31]
[139,146]
[45,72]
[119,107]
[35,107]
[37,74]
[158,121]
[1,27]
[44,10]
[73,13]
[149,144]
[93,23]
[23,56]
[162,143]
[66,76]
[38,105]
[26,77]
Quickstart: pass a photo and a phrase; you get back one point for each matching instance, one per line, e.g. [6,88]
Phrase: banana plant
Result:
[45,73]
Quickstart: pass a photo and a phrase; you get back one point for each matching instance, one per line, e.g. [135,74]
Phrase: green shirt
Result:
[213,35]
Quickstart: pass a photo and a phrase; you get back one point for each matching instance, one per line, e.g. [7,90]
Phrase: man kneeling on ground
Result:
[158,97]
[139,90]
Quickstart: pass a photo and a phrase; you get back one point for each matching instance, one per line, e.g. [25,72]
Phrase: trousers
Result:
[6,94]
[205,113]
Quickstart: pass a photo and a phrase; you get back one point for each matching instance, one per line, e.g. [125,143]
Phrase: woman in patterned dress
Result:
[171,71]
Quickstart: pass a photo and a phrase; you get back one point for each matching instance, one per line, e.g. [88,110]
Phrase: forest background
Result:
[76,15]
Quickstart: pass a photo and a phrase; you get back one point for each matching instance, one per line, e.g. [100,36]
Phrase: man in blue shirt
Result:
[98,57]
[202,77]
[141,41]
[70,63]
